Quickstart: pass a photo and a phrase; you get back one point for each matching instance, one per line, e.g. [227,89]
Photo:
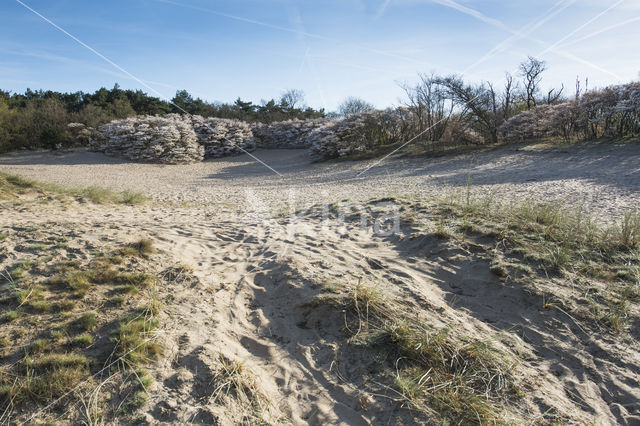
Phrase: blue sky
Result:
[331,49]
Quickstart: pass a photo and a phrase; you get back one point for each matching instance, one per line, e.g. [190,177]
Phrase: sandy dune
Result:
[257,276]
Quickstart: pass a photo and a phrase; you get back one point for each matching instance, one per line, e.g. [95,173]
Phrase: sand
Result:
[603,178]
[256,276]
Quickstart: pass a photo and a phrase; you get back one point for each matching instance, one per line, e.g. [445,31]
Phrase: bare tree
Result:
[477,105]
[554,98]
[353,105]
[292,98]
[510,90]
[430,105]
[531,70]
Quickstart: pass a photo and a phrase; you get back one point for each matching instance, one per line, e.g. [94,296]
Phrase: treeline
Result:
[442,112]
[439,112]
[445,113]
[40,118]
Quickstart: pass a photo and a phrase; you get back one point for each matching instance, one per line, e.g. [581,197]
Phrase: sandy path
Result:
[603,178]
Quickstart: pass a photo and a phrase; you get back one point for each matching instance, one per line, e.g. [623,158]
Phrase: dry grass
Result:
[12,186]
[141,248]
[543,240]
[86,321]
[440,374]
[237,388]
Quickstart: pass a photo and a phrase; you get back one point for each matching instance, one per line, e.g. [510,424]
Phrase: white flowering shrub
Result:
[613,112]
[221,137]
[357,133]
[170,139]
[531,124]
[285,134]
[173,138]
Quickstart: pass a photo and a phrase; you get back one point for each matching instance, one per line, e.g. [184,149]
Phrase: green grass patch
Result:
[44,378]
[51,362]
[134,338]
[100,272]
[57,335]
[40,305]
[83,340]
[44,351]
[10,316]
[38,247]
[117,300]
[38,345]
[127,289]
[142,248]
[86,321]
[30,295]
[13,185]
[20,271]
[75,281]
[66,305]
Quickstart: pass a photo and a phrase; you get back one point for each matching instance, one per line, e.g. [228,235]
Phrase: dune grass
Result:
[13,185]
[588,270]
[11,315]
[235,384]
[54,336]
[134,338]
[440,374]
[43,378]
[101,270]
[546,240]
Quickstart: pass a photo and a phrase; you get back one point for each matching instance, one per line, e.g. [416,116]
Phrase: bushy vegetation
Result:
[40,119]
[445,113]
[173,138]
[169,139]
[446,110]
[610,112]
[359,133]
[440,114]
